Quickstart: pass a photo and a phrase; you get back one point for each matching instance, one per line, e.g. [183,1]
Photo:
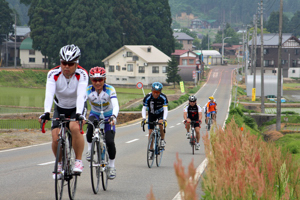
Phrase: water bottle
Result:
[103,153]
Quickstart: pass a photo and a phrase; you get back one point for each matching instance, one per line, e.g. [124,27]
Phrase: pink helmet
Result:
[97,72]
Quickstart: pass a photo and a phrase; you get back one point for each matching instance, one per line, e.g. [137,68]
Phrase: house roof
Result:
[182,36]
[207,52]
[234,47]
[26,44]
[179,52]
[272,38]
[155,56]
[22,30]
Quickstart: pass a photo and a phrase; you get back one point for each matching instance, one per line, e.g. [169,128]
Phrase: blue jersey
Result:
[155,106]
[104,100]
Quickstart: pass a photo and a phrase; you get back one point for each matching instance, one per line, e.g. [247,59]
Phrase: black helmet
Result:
[192,98]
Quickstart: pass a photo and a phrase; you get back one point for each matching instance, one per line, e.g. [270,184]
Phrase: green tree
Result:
[6,21]
[197,43]
[294,25]
[187,31]
[228,32]
[273,23]
[178,45]
[157,22]
[172,71]
[204,42]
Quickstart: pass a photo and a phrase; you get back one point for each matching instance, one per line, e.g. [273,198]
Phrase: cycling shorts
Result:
[69,113]
[153,118]
[195,125]
[212,112]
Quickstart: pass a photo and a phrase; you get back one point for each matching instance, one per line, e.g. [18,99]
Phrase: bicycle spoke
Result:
[72,179]
[159,152]
[95,166]
[104,168]
[150,160]
[59,176]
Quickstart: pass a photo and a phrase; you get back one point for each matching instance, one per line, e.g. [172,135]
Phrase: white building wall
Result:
[294,73]
[38,57]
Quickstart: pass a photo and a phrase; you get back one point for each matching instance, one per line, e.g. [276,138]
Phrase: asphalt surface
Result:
[26,173]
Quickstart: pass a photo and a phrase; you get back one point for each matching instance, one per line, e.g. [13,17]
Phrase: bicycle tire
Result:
[104,172]
[59,177]
[151,139]
[72,178]
[209,124]
[158,151]
[192,142]
[95,165]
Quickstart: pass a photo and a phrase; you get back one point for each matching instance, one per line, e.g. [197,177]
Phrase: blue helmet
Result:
[157,86]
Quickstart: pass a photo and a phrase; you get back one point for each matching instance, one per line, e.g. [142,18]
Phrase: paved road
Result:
[26,173]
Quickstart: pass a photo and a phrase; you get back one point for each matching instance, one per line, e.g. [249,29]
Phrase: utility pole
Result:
[262,58]
[255,47]
[247,47]
[278,117]
[252,46]
[15,60]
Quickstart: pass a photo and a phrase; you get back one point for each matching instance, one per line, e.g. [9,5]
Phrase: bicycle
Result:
[67,155]
[209,121]
[193,138]
[99,156]
[155,138]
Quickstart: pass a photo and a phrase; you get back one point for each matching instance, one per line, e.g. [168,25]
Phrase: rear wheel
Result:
[95,166]
[192,142]
[158,152]
[59,176]
[72,179]
[150,150]
[209,124]
[104,171]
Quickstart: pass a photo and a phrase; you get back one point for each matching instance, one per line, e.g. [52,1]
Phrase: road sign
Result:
[253,94]
[194,74]
[182,86]
[139,85]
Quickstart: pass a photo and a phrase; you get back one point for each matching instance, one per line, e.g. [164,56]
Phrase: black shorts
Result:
[69,113]
[153,118]
[195,124]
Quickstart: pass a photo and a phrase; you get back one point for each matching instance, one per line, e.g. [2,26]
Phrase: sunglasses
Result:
[95,80]
[192,101]
[68,63]
[156,92]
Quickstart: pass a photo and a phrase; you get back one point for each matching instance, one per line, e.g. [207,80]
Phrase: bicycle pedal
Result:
[76,173]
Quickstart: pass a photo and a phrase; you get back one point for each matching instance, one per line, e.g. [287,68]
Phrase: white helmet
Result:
[69,53]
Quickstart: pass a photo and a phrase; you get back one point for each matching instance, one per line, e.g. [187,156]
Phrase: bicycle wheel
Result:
[104,170]
[72,178]
[209,124]
[192,142]
[95,165]
[150,160]
[158,151]
[59,176]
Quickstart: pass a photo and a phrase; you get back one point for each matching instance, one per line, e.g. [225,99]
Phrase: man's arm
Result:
[165,112]
[144,112]
[49,94]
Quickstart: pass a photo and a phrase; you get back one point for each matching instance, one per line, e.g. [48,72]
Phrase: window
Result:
[124,68]
[141,69]
[117,79]
[130,67]
[129,54]
[143,77]
[294,63]
[164,69]
[266,51]
[274,71]
[155,69]
[184,61]
[283,62]
[293,71]
[118,67]
[32,60]
[191,61]
[268,63]
[296,51]
[134,58]
[124,79]
[111,68]
[44,60]
[149,49]
[31,52]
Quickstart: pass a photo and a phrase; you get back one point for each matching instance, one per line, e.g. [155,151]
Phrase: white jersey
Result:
[107,99]
[69,93]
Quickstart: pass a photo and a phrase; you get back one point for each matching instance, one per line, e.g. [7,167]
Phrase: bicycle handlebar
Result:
[60,119]
[102,121]
[154,123]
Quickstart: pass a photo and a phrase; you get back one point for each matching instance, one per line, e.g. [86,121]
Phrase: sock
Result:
[111,163]
[89,146]
[78,160]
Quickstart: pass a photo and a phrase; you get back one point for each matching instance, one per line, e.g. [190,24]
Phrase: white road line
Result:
[178,124]
[171,126]
[132,141]
[47,163]
[199,171]
[24,147]
[146,135]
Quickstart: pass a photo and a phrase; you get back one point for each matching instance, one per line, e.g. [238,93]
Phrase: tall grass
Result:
[243,166]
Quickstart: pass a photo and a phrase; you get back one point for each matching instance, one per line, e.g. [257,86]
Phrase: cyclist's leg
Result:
[110,142]
[197,130]
[55,130]
[77,140]
[89,135]
[161,129]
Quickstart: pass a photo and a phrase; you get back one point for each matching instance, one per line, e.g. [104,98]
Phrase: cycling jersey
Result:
[156,106]
[69,93]
[107,99]
[211,106]
[192,112]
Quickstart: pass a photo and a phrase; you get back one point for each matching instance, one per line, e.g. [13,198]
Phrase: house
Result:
[290,54]
[185,40]
[30,58]
[197,24]
[185,57]
[210,57]
[136,63]
[218,47]
[234,51]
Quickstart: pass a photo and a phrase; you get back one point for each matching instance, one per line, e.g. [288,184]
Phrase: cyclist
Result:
[157,104]
[193,112]
[101,95]
[211,108]
[67,82]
